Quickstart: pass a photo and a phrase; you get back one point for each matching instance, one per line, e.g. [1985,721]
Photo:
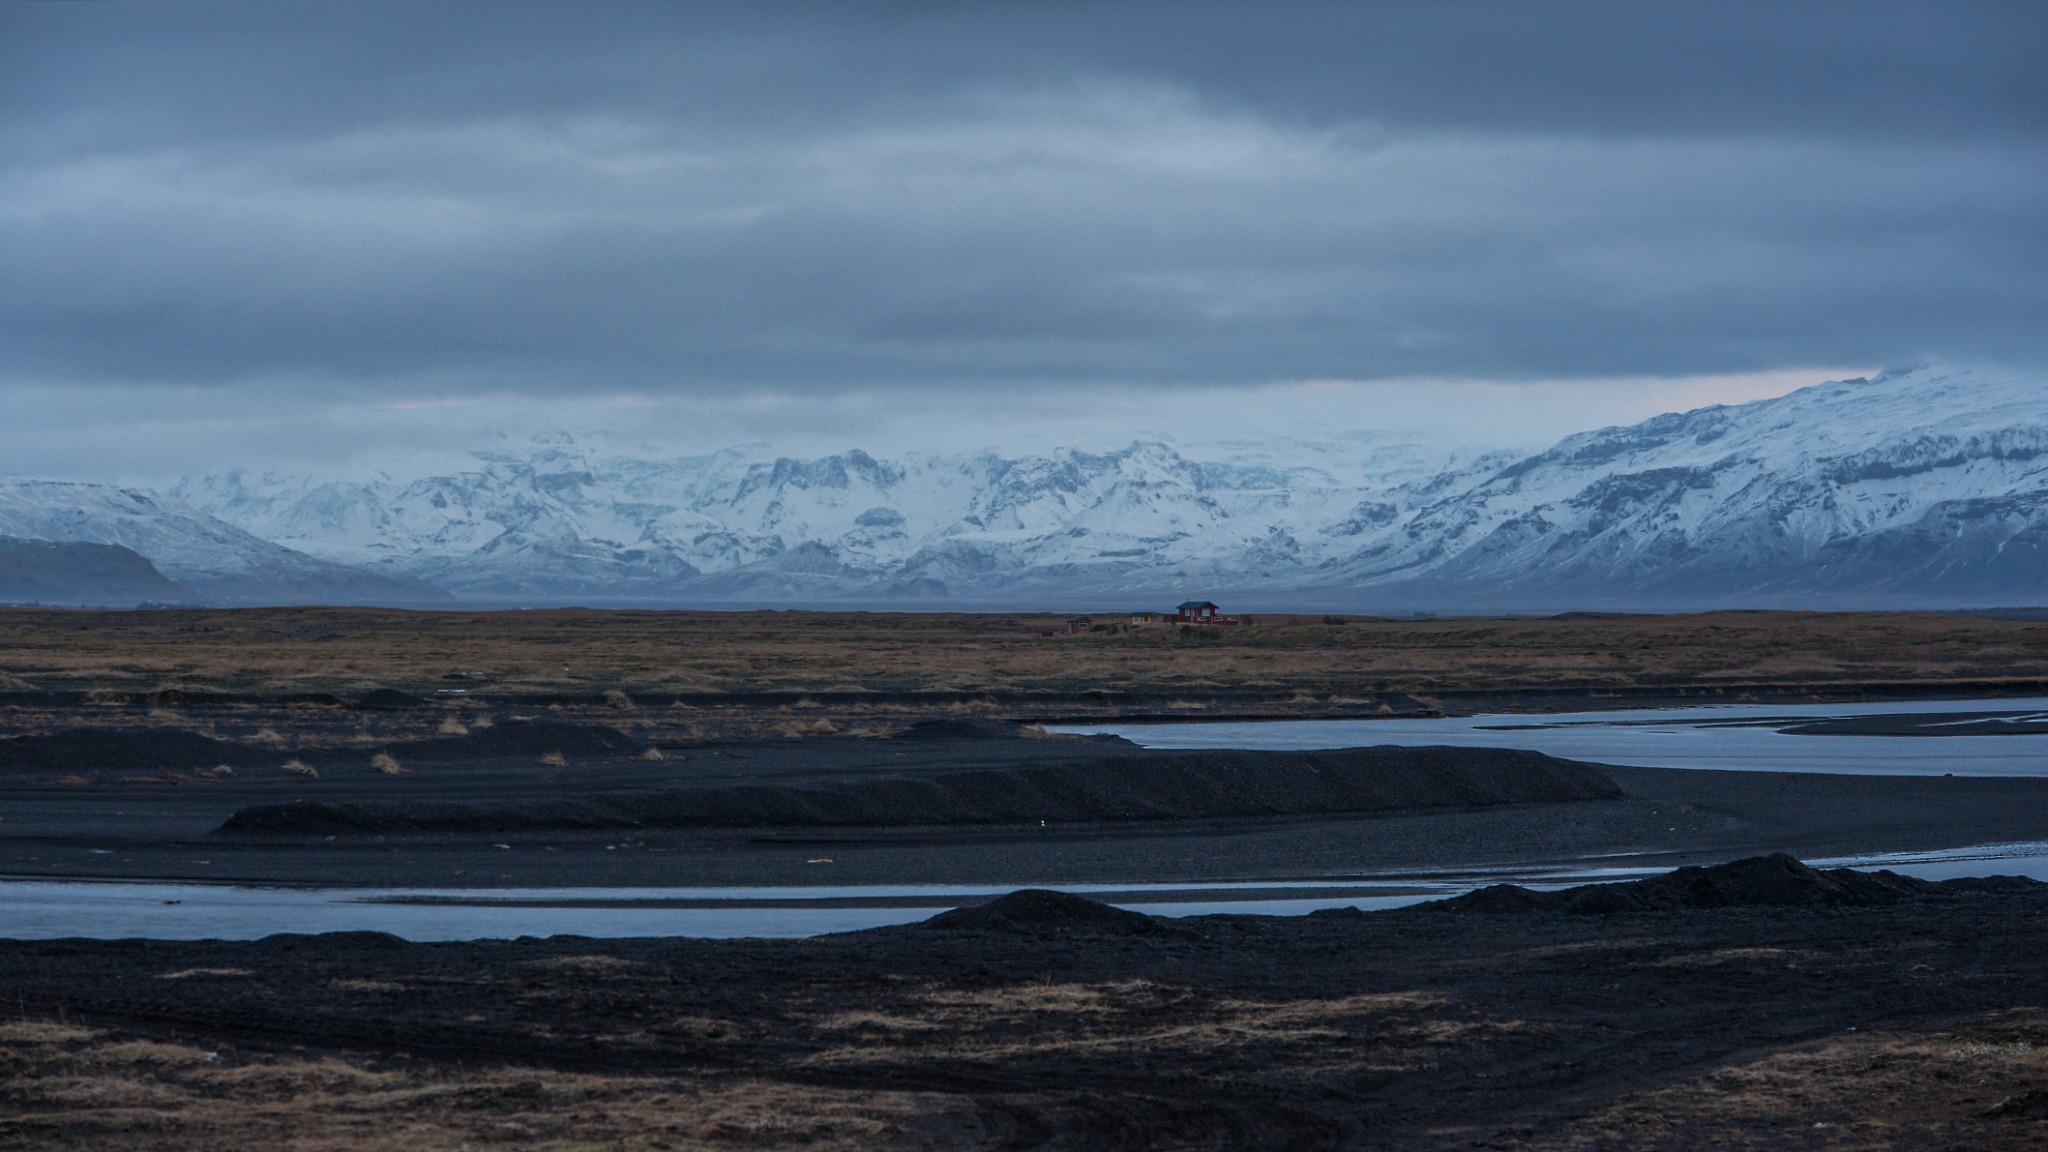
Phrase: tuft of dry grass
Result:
[481,722]
[452,725]
[585,964]
[613,698]
[385,763]
[301,769]
[653,755]
[555,760]
[27,1031]
[352,984]
[268,737]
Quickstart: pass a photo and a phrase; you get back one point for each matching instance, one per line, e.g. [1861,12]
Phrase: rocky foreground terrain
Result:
[1760,1004]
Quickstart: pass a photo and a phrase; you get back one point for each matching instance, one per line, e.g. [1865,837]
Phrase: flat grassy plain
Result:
[1310,661]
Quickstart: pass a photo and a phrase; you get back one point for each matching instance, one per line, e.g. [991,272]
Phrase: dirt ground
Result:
[1914,1025]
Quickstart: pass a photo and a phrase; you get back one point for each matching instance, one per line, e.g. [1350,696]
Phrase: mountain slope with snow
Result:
[215,560]
[1920,485]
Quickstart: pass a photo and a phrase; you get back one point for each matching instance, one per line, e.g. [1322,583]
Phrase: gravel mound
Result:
[517,738]
[388,700]
[147,750]
[1140,787]
[1774,881]
[1043,912]
[963,729]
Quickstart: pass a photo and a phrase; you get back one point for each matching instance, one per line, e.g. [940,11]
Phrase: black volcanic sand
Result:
[552,804]
[100,750]
[1758,1005]
[1132,787]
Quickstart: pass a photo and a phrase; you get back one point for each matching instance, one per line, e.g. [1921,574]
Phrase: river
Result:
[1737,738]
[1725,737]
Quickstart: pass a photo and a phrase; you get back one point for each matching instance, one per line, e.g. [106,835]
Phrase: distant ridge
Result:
[198,557]
[73,573]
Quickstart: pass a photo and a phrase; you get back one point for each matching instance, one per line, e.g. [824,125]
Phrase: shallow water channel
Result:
[1745,737]
[1737,738]
[38,910]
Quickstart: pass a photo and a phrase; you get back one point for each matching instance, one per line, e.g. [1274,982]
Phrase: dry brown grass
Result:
[554,760]
[302,769]
[452,725]
[1869,1092]
[645,653]
[73,1087]
[384,763]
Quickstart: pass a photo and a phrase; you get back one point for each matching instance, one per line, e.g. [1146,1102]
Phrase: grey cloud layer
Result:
[576,198]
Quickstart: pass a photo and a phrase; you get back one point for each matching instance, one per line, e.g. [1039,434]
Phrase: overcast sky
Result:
[248,233]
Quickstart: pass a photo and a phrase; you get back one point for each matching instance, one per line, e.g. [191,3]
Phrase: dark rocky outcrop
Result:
[1043,912]
[1777,880]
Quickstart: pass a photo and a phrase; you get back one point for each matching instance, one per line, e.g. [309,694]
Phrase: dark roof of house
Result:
[1196,604]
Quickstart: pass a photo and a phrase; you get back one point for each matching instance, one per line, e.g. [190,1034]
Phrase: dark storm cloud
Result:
[586,198]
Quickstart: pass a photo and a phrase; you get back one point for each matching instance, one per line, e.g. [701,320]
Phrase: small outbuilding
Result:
[1201,612]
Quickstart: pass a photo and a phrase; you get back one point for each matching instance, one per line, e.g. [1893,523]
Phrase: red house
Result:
[1200,612]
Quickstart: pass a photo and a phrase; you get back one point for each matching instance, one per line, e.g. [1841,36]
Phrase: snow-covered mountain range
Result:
[1919,487]
[567,520]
